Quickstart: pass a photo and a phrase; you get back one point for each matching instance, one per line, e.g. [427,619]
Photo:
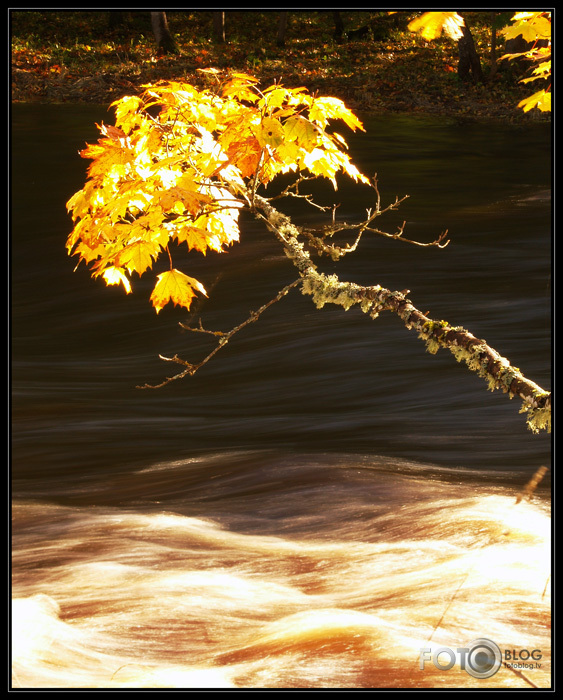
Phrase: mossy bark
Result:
[464,346]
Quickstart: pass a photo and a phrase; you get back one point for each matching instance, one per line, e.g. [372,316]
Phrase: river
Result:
[323,499]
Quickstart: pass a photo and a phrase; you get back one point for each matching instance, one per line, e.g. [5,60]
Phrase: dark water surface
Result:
[300,513]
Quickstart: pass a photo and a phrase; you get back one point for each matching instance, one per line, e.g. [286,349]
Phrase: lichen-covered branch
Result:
[298,245]
[475,352]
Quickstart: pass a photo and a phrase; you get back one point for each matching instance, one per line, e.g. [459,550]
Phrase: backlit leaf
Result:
[325,108]
[113,275]
[301,130]
[138,256]
[431,24]
[270,132]
[541,100]
[176,287]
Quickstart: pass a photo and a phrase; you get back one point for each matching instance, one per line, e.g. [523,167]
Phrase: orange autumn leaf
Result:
[176,287]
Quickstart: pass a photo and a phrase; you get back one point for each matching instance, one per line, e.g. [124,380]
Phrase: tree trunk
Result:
[219,26]
[116,18]
[282,29]
[338,27]
[493,55]
[469,64]
[164,39]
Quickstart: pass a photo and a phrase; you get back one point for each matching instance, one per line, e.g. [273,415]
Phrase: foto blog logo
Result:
[481,658]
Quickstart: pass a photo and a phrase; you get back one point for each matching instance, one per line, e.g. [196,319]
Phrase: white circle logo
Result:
[484,658]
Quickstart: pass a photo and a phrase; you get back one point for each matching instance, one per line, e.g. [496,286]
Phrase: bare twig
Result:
[545,587]
[439,242]
[521,675]
[531,486]
[331,249]
[287,192]
[201,329]
[457,590]
[224,337]
[337,251]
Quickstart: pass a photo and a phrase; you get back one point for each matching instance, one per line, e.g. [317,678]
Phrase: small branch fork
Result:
[224,337]
[316,239]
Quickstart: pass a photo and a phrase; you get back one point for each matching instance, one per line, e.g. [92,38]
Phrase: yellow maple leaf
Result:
[78,204]
[531,25]
[301,130]
[542,71]
[274,97]
[289,153]
[245,77]
[270,132]
[325,108]
[321,162]
[176,287]
[353,172]
[240,86]
[125,109]
[111,159]
[540,99]
[138,256]
[194,236]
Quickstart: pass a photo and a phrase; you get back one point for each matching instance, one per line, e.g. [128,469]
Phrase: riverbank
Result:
[83,57]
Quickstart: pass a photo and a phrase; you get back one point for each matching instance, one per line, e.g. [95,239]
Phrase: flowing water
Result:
[324,499]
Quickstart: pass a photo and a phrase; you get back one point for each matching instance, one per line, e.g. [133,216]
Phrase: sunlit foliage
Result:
[534,27]
[179,165]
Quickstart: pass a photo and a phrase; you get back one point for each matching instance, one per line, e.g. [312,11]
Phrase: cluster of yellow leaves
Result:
[534,27]
[180,163]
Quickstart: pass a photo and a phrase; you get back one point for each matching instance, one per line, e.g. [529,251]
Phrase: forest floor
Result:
[77,57]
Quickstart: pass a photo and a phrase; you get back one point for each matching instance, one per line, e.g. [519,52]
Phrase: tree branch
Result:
[475,352]
[328,289]
[336,252]
[224,337]
[292,190]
